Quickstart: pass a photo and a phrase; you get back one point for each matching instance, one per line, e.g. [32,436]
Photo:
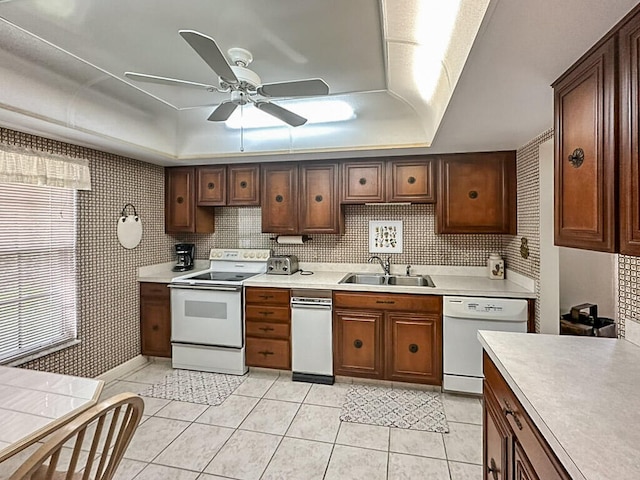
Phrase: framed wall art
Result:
[385,236]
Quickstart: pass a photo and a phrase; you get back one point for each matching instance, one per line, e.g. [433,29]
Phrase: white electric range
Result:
[207,331]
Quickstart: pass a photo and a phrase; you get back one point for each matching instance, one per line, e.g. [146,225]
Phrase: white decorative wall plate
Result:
[385,236]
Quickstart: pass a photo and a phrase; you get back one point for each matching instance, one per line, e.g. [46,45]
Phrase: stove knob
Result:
[245,255]
[252,255]
[284,269]
[270,267]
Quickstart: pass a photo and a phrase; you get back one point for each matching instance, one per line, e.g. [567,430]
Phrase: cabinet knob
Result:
[358,343]
[266,353]
[413,348]
[492,468]
[411,180]
[362,181]
[473,194]
[211,185]
[279,198]
[266,329]
[180,200]
[243,184]
[510,411]
[576,158]
[318,198]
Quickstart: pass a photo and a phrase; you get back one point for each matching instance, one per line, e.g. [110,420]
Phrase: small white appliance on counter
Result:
[462,351]
[312,336]
[207,332]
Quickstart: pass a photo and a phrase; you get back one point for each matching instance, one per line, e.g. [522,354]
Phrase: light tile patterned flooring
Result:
[272,428]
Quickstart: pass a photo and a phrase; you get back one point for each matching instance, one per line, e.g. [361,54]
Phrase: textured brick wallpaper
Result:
[108,317]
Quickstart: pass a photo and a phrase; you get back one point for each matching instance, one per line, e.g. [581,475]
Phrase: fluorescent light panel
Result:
[315,111]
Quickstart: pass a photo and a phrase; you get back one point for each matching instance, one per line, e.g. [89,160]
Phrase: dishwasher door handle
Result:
[310,306]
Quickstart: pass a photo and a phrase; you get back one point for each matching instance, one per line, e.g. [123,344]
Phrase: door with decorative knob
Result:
[410,181]
[319,207]
[358,343]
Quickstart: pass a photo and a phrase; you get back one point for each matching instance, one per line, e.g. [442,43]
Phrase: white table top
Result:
[583,394]
[32,402]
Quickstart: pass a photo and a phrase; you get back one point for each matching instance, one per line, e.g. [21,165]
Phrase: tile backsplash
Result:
[241,227]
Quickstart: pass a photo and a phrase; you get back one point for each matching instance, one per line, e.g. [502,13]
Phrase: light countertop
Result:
[448,280]
[583,394]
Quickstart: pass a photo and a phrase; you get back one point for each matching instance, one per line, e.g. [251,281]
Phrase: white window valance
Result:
[33,167]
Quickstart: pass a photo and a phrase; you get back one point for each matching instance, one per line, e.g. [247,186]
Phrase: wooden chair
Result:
[115,420]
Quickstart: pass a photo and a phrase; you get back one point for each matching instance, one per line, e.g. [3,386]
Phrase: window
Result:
[38,269]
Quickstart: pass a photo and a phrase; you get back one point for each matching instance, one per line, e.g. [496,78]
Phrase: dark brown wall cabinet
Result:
[182,214]
[477,193]
[243,182]
[155,319]
[301,198]
[394,337]
[597,174]
[211,183]
[514,448]
[268,327]
[397,180]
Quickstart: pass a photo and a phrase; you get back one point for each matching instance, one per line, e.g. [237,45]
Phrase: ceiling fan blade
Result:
[222,112]
[143,77]
[208,49]
[283,114]
[297,88]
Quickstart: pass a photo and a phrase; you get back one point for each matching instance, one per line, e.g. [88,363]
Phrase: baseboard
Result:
[123,369]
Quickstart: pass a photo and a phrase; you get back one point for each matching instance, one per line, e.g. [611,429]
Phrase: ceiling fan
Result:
[243,84]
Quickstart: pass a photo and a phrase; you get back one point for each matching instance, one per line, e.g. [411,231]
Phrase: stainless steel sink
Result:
[364,279]
[398,280]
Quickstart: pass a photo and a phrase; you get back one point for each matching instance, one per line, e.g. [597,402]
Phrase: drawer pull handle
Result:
[358,343]
[266,297]
[493,469]
[509,411]
[266,329]
[388,302]
[413,348]
[576,158]
[266,353]
[266,313]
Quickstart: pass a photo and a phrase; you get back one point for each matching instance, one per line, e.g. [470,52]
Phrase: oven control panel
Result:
[240,254]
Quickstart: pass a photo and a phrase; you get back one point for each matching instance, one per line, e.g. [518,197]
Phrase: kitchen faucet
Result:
[386,265]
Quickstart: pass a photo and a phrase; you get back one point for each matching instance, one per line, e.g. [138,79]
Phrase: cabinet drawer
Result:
[267,313]
[396,302]
[150,289]
[546,465]
[267,329]
[267,296]
[262,352]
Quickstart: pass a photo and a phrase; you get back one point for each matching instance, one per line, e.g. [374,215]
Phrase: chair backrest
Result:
[96,438]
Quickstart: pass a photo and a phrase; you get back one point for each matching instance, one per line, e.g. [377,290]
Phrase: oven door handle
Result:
[208,287]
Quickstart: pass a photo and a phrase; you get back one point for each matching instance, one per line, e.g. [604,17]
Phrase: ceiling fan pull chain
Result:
[242,128]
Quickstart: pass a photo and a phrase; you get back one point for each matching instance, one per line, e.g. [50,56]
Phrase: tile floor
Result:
[272,428]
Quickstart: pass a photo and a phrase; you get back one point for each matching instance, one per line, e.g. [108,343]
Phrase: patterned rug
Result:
[195,387]
[394,407]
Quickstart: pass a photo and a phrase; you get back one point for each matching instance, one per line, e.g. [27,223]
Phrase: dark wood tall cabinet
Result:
[243,185]
[280,198]
[155,319]
[585,156]
[182,214]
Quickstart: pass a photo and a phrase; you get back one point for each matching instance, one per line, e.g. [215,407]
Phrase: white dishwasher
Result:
[312,336]
[462,352]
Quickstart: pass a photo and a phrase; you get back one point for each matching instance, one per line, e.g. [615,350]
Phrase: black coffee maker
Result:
[185,253]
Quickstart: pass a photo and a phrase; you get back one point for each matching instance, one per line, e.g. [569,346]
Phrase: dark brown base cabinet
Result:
[268,328]
[155,319]
[383,337]
[513,448]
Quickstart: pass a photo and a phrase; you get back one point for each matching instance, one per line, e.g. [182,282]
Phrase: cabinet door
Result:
[477,193]
[243,183]
[211,185]
[496,441]
[414,348]
[155,320]
[280,198]
[410,181]
[585,153]
[522,469]
[357,340]
[630,136]
[319,208]
[179,194]
[363,182]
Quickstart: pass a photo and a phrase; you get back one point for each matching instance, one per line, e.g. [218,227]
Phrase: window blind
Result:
[38,277]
